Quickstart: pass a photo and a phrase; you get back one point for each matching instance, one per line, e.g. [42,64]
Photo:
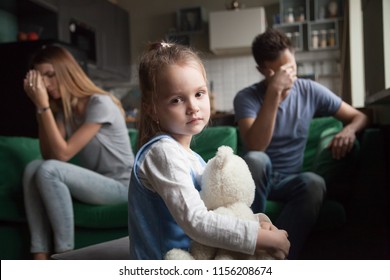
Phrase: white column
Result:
[356,50]
[386,40]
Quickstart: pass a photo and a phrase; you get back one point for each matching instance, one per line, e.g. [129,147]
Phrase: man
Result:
[274,117]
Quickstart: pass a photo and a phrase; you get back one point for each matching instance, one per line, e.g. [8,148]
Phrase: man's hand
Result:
[282,80]
[342,143]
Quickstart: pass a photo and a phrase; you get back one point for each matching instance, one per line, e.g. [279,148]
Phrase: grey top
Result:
[109,152]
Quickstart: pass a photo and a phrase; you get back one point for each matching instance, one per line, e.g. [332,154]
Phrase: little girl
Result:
[165,209]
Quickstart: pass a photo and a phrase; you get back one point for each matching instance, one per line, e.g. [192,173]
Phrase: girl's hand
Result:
[274,242]
[35,88]
[267,226]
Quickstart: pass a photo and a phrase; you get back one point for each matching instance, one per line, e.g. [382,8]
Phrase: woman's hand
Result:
[35,88]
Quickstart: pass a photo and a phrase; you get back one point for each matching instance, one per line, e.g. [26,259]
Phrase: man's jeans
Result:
[302,195]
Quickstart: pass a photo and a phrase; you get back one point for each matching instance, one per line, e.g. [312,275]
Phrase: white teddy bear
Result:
[227,189]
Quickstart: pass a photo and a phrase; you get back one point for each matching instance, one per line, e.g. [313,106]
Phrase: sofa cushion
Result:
[100,216]
[15,154]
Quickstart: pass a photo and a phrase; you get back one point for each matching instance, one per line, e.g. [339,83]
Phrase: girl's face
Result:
[182,107]
[49,79]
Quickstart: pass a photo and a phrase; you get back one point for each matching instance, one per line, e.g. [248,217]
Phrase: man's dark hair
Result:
[268,46]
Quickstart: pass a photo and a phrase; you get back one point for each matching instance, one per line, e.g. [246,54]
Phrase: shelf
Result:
[294,11]
[328,9]
[295,32]
[317,19]
[326,35]
[382,97]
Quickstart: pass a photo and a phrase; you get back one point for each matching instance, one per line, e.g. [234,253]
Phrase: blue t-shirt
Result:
[305,100]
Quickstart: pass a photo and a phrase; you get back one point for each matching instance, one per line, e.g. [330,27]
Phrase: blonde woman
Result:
[75,117]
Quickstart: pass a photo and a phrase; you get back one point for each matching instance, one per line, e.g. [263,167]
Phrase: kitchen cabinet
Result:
[312,24]
[232,32]
[111,26]
[50,20]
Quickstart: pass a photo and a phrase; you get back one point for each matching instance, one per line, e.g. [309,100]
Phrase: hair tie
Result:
[160,45]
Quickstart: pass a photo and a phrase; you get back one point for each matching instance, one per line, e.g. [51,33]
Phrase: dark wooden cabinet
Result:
[111,26]
[110,23]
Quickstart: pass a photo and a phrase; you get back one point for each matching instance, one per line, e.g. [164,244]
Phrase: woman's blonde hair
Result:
[158,56]
[72,81]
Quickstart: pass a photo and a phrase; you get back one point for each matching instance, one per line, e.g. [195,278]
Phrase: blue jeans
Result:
[302,195]
[49,186]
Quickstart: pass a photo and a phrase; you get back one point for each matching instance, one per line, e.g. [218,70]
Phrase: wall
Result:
[152,20]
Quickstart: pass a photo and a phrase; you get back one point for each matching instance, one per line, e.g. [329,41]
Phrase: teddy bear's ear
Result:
[223,153]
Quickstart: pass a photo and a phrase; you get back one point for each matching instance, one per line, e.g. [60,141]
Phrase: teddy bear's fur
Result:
[227,189]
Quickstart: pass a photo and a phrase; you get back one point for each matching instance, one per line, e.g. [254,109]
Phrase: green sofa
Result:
[96,224]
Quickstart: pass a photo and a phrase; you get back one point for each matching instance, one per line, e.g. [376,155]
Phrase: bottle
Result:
[333,9]
[323,40]
[296,40]
[300,15]
[331,38]
[314,39]
[290,15]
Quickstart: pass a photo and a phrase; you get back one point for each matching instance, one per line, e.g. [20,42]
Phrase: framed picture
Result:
[189,19]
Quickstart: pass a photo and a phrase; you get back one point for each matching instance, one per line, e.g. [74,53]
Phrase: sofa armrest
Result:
[325,165]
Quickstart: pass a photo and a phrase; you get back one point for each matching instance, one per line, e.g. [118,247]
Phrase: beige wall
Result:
[150,20]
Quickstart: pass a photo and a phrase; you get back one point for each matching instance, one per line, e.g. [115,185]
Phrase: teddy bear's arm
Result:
[202,252]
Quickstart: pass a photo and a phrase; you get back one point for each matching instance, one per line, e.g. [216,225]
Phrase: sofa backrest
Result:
[205,143]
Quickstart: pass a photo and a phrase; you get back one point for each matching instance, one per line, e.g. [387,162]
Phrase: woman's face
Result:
[49,79]
[183,106]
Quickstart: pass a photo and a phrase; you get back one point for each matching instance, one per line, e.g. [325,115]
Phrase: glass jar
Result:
[300,16]
[331,38]
[296,40]
[323,39]
[314,39]
[333,8]
[289,18]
